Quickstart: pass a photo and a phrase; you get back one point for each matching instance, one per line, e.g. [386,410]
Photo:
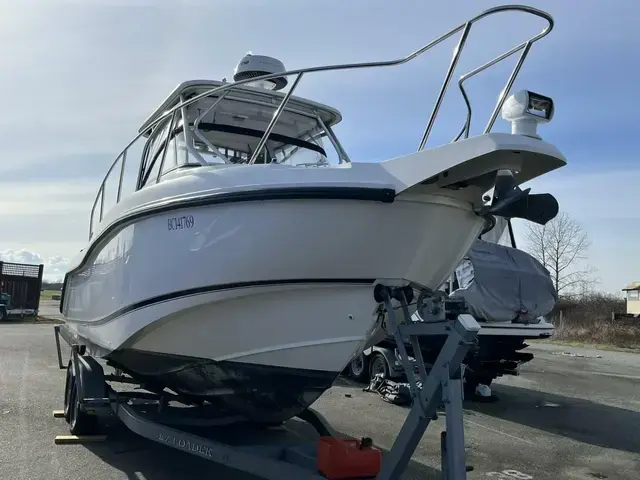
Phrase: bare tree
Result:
[561,246]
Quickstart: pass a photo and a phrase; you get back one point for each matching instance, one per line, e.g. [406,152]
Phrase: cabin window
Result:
[633,295]
[230,135]
[311,151]
[154,152]
[237,144]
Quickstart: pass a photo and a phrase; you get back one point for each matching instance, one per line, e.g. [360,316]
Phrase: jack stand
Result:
[444,384]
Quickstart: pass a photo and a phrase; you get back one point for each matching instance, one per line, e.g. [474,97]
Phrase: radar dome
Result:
[251,66]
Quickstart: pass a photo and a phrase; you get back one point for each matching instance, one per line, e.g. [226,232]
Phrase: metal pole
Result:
[274,120]
[102,200]
[124,161]
[507,88]
[166,146]
[342,155]
[445,85]
[196,127]
[187,134]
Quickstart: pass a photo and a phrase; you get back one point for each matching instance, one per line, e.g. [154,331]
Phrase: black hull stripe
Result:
[384,195]
[220,287]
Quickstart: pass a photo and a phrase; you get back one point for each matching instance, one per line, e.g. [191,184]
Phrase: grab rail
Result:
[464,27]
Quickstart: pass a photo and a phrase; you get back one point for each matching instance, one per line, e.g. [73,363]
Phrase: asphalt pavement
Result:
[49,308]
[571,414]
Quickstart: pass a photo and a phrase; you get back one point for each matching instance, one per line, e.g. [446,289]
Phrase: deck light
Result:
[525,110]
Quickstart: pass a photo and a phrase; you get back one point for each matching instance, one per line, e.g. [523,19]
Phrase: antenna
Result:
[251,66]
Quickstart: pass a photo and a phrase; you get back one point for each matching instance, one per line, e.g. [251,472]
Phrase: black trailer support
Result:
[443,384]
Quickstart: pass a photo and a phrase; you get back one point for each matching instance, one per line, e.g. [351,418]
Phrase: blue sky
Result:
[80,77]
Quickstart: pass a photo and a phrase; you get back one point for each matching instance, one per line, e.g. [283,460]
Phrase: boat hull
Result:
[256,392]
[265,352]
[283,284]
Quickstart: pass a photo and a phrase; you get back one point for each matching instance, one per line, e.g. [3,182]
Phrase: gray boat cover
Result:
[501,283]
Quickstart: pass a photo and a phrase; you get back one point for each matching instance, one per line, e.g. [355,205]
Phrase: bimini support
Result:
[90,402]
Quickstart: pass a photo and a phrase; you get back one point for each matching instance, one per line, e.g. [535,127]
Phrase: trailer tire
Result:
[3,314]
[378,365]
[70,379]
[91,376]
[80,423]
[358,368]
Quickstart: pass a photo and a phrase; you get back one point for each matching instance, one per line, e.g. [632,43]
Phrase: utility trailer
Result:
[91,406]
[20,287]
[490,358]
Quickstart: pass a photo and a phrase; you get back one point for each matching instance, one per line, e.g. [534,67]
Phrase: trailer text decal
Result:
[180,223]
[186,445]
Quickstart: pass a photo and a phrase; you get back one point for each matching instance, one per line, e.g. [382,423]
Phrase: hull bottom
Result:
[260,393]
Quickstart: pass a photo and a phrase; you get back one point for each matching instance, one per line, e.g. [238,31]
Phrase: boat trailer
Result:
[91,405]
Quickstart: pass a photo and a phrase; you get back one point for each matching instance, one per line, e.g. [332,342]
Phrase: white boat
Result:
[510,295]
[502,340]
[241,268]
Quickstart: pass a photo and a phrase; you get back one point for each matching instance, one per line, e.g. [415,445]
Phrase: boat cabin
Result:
[227,127]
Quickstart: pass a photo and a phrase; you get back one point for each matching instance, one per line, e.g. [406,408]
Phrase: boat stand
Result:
[87,406]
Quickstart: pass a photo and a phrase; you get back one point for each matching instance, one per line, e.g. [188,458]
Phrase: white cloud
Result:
[45,198]
[54,267]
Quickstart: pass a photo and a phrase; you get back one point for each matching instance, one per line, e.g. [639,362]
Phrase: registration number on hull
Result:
[180,223]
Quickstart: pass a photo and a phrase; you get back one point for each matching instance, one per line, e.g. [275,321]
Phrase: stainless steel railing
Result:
[465,28]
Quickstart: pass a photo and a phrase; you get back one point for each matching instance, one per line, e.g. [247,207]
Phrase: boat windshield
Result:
[299,142]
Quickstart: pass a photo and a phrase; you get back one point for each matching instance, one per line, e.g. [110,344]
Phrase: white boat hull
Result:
[172,279]
[297,346]
[542,329]
[285,286]
[271,242]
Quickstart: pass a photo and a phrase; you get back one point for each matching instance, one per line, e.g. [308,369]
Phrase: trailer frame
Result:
[91,404]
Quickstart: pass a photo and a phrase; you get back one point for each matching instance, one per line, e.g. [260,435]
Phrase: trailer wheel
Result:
[80,423]
[69,381]
[359,367]
[378,365]
[3,314]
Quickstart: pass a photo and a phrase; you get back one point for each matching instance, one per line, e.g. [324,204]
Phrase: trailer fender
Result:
[90,376]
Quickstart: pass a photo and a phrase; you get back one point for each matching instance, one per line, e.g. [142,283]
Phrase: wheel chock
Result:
[78,439]
[58,414]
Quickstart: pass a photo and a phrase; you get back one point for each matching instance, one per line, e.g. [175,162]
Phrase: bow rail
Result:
[465,28]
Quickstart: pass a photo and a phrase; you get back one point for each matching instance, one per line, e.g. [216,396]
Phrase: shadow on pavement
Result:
[139,458]
[581,420]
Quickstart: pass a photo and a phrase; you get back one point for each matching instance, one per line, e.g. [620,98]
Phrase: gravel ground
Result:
[568,416]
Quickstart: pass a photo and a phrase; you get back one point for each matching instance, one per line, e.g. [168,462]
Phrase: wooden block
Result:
[77,439]
[58,414]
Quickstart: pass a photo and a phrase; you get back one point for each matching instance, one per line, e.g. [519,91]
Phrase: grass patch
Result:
[603,333]
[34,319]
[48,294]
[589,321]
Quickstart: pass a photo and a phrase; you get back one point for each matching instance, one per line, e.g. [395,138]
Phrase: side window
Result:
[171,161]
[153,157]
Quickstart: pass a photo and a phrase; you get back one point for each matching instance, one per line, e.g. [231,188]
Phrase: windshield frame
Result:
[148,164]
